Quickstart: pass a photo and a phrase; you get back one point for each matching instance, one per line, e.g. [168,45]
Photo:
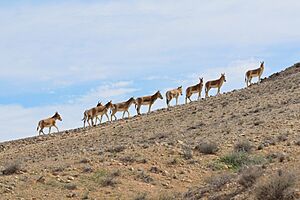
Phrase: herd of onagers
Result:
[92,115]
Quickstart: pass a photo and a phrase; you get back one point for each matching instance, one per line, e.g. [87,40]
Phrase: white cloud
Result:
[19,122]
[69,42]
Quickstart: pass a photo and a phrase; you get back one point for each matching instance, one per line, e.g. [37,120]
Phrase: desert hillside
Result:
[232,146]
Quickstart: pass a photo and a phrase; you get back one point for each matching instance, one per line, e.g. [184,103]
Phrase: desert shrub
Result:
[282,138]
[277,186]
[116,149]
[249,176]
[11,168]
[70,186]
[220,180]
[128,159]
[236,160]
[108,181]
[207,148]
[187,153]
[169,196]
[173,161]
[243,146]
[104,179]
[140,196]
[145,177]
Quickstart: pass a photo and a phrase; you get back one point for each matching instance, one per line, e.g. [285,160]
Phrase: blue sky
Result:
[66,55]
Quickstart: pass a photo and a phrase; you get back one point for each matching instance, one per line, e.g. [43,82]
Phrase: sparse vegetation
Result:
[207,148]
[237,160]
[116,149]
[277,186]
[11,168]
[145,177]
[282,137]
[187,153]
[141,196]
[220,180]
[70,186]
[243,146]
[249,176]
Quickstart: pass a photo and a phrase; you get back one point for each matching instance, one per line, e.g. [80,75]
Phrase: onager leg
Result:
[218,90]
[123,114]
[149,108]
[128,113]
[199,95]
[56,128]
[49,130]
[176,100]
[138,109]
[107,117]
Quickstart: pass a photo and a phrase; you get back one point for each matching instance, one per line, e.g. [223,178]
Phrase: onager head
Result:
[180,90]
[109,104]
[99,103]
[223,77]
[132,100]
[201,80]
[262,64]
[159,95]
[57,116]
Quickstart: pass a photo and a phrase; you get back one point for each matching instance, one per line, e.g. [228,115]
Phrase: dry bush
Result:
[282,138]
[249,176]
[243,146]
[116,149]
[187,153]
[220,180]
[11,168]
[207,148]
[277,186]
[145,177]
[141,196]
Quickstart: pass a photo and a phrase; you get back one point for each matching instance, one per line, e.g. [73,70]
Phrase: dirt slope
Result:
[156,154]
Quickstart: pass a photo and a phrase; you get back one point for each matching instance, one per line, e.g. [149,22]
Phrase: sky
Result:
[66,56]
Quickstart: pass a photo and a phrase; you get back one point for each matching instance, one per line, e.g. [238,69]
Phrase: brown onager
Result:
[49,122]
[147,100]
[214,84]
[194,89]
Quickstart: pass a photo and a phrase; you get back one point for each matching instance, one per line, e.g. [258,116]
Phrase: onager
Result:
[194,89]
[173,94]
[147,100]
[102,110]
[49,122]
[214,84]
[254,73]
[124,106]
[87,115]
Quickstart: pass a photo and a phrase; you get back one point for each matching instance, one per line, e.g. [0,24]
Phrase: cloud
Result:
[19,122]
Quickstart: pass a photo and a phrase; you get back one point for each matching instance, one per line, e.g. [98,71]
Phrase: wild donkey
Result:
[173,94]
[254,73]
[194,89]
[124,106]
[49,122]
[102,110]
[147,100]
[215,84]
[87,115]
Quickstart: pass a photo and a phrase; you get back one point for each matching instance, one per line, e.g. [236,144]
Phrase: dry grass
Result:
[277,186]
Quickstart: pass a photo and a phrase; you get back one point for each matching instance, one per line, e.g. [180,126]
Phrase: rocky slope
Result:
[158,156]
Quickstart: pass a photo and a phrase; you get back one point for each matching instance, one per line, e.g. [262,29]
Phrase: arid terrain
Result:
[226,147]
